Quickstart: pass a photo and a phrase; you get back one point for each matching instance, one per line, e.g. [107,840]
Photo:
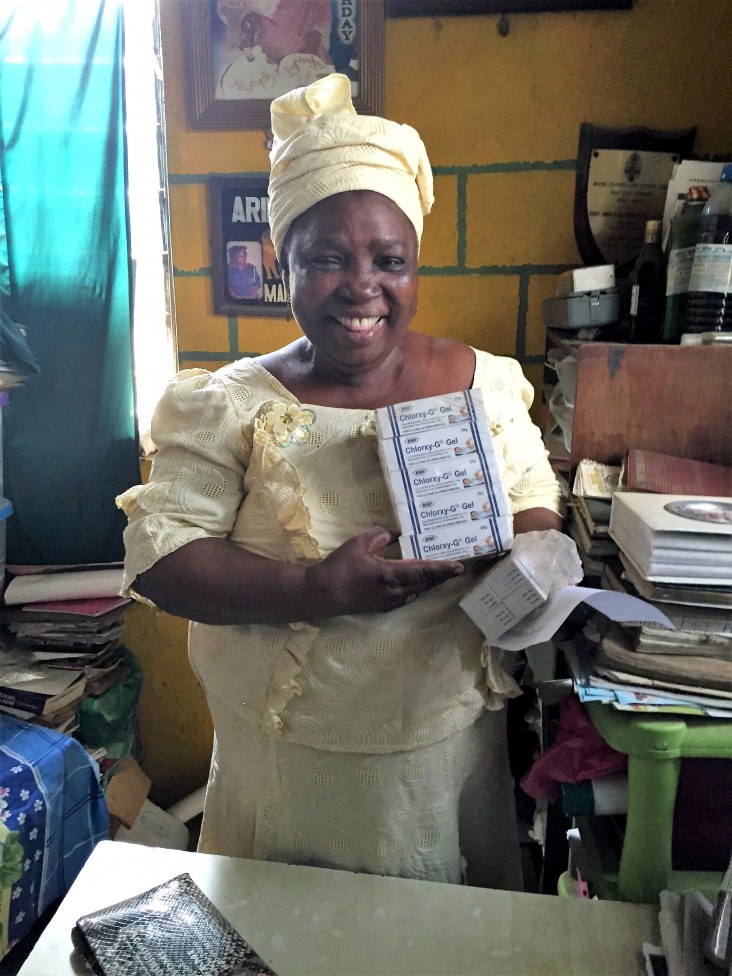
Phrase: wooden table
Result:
[306,920]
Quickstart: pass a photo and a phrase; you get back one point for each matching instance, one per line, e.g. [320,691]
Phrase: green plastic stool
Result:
[655,747]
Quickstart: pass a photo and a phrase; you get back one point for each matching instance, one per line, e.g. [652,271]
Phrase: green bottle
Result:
[680,249]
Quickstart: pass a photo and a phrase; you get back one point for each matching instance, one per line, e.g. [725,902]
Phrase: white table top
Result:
[305,920]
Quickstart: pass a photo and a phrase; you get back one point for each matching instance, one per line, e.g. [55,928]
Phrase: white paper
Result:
[543,623]
[36,588]
[595,480]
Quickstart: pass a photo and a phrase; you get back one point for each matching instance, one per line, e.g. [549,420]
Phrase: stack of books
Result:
[54,653]
[678,539]
[674,550]
[588,517]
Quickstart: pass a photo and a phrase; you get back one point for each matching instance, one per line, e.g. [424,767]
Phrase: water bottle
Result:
[648,287]
[709,302]
[680,257]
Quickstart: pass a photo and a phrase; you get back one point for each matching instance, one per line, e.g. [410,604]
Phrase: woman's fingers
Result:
[410,577]
[372,541]
[427,570]
[356,578]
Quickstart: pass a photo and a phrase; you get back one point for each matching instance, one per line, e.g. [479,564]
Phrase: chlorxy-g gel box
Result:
[458,542]
[438,459]
[420,416]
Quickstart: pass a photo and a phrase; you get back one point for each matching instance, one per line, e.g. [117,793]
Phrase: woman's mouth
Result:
[361,326]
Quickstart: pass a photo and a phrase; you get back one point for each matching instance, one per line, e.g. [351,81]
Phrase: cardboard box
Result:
[458,542]
[126,791]
[430,413]
[443,477]
[427,513]
[599,277]
[505,594]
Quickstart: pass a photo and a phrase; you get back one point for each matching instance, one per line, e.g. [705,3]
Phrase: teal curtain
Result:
[70,441]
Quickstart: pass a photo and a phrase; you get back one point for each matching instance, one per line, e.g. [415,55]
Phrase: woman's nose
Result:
[361,281]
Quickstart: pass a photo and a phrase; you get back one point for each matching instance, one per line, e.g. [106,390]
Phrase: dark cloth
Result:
[244,282]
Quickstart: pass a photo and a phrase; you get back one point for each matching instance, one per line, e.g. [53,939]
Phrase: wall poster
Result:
[246,273]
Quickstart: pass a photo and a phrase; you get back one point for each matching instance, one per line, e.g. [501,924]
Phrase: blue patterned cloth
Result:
[50,794]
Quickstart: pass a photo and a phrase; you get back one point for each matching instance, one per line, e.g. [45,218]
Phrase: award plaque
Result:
[622,180]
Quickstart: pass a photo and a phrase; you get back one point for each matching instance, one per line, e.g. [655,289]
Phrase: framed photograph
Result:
[243,53]
[443,8]
[246,273]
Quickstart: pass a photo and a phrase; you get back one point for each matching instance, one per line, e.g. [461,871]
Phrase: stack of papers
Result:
[595,480]
[61,638]
[629,691]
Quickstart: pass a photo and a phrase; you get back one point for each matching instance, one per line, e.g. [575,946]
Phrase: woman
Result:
[359,721]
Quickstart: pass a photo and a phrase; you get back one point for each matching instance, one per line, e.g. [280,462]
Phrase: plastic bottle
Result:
[648,287]
[680,257]
[709,302]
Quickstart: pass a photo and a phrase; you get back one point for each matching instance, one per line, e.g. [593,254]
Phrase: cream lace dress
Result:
[372,742]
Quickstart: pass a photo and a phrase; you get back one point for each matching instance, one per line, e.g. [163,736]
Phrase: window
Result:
[153,309]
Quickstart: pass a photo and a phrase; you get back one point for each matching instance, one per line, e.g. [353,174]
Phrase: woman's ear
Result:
[285,275]
[284,270]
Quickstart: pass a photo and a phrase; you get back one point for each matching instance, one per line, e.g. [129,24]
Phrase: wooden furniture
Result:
[312,920]
[671,399]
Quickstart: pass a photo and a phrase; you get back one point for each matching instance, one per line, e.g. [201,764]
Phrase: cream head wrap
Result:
[322,147]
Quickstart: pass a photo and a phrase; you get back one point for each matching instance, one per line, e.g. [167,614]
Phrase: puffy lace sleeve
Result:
[507,393]
[196,484]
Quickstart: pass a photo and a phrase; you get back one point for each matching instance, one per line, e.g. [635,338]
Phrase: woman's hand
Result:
[215,582]
[536,519]
[355,578]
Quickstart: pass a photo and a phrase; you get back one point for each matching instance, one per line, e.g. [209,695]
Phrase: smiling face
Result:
[350,264]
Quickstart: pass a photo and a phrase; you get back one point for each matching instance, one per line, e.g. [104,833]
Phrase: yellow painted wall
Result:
[500,117]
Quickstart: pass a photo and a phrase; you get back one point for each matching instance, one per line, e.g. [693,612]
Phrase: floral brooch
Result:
[282,423]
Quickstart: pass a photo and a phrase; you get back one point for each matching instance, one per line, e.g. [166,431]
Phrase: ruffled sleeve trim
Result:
[499,684]
[287,666]
[280,480]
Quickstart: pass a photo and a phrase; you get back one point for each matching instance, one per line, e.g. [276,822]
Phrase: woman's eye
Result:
[391,263]
[326,261]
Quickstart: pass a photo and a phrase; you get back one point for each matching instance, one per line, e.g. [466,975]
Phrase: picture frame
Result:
[236,69]
[246,274]
[446,8]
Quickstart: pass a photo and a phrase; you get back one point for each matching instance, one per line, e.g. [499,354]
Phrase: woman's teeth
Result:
[359,325]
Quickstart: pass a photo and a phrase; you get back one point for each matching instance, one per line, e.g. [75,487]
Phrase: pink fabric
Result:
[578,753]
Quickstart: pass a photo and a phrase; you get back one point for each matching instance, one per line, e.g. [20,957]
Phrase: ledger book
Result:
[675,538]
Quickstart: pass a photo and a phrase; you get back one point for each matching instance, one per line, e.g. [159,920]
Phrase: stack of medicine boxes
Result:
[438,459]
